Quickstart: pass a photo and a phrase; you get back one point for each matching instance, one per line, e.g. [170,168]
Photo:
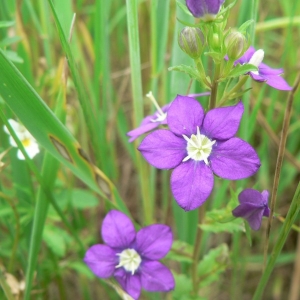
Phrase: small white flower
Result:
[29,143]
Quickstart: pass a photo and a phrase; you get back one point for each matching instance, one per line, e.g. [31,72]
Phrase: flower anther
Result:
[198,147]
[130,260]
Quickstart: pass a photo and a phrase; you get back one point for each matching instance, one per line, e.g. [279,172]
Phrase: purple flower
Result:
[206,9]
[265,73]
[131,257]
[253,206]
[198,145]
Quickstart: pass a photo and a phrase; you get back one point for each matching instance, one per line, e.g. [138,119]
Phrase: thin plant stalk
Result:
[137,94]
[197,248]
[280,156]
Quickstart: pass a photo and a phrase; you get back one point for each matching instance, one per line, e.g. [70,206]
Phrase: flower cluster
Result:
[197,146]
[132,258]
[28,141]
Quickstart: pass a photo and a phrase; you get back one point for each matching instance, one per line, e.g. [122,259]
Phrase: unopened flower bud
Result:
[191,41]
[236,44]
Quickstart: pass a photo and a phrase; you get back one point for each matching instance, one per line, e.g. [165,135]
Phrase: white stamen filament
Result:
[198,147]
[130,260]
[161,116]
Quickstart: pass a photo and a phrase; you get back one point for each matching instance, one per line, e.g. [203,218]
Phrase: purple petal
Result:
[117,230]
[258,77]
[156,277]
[223,123]
[265,70]
[251,196]
[278,83]
[131,284]
[199,8]
[191,184]
[162,149]
[154,242]
[265,196]
[102,260]
[184,115]
[135,133]
[234,159]
[252,214]
[246,57]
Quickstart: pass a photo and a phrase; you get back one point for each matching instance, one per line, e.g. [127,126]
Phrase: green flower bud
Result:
[191,41]
[236,45]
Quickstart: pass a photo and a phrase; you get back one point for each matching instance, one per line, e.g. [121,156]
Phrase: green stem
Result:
[280,156]
[214,88]
[283,234]
[197,248]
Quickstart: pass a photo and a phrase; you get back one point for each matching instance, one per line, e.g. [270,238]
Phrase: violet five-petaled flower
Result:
[132,257]
[198,145]
[206,9]
[264,73]
[253,206]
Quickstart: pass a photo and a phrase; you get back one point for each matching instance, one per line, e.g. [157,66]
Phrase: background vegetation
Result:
[98,99]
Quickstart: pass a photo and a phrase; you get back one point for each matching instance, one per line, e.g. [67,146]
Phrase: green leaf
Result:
[245,26]
[212,265]
[215,56]
[181,252]
[9,40]
[191,71]
[183,287]
[234,226]
[13,56]
[184,8]
[239,70]
[4,24]
[56,239]
[222,220]
[82,199]
[81,268]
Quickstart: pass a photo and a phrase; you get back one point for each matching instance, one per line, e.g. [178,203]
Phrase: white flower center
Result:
[198,147]
[130,260]
[256,59]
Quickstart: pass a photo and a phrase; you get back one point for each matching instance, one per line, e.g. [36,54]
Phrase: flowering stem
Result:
[285,127]
[197,248]
[214,88]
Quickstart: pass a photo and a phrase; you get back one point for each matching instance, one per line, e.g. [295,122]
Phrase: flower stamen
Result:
[130,260]
[198,147]
[161,116]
